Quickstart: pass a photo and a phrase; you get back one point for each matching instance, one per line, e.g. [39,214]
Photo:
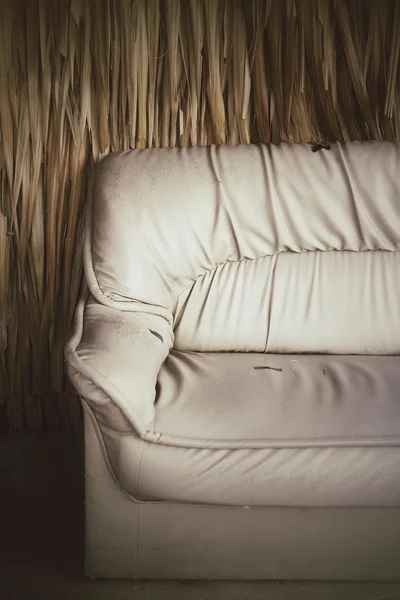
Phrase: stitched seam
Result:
[271,297]
[234,445]
[138,468]
[138,507]
[137,539]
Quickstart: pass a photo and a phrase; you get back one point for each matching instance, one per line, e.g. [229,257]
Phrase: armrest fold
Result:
[113,360]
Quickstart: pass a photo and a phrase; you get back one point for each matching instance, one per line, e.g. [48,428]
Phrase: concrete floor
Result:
[41,538]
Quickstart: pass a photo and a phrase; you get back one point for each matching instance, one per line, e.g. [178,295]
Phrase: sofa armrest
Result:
[113,360]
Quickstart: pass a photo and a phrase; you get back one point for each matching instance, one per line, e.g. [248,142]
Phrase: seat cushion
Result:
[279,400]
[267,430]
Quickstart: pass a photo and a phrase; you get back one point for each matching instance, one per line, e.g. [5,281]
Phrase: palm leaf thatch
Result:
[81,78]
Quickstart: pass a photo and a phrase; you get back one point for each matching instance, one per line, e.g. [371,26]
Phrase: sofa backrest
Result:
[253,248]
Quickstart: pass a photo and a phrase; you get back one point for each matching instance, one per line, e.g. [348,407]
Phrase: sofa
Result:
[236,349]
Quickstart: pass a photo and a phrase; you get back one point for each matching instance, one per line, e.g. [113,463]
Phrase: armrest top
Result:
[114,357]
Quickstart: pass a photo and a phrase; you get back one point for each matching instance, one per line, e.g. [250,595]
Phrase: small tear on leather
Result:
[320,146]
[269,368]
[158,335]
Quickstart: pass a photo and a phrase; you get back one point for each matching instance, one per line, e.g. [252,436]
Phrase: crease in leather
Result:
[275,204]
[78,369]
[205,272]
[91,275]
[271,160]
[357,207]
[234,229]
[103,450]
[89,373]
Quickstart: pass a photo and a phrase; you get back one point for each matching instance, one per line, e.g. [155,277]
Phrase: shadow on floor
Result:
[42,530]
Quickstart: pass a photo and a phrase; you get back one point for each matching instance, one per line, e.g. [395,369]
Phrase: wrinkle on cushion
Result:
[325,302]
[160,218]
[277,400]
[227,309]
[113,360]
[336,302]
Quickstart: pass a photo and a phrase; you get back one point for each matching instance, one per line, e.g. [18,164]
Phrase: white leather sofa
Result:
[238,357]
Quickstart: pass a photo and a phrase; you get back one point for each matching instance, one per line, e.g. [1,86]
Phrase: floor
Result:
[41,538]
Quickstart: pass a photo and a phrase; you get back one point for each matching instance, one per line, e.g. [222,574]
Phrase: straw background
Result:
[81,78]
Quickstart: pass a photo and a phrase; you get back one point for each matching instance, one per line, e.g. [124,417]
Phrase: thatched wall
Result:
[79,79]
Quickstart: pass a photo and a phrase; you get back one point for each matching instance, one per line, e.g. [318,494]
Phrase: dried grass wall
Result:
[79,79]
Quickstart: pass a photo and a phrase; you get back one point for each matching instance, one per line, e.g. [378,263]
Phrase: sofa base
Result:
[162,540]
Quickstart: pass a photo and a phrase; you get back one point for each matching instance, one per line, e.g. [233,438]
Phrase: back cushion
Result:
[259,248]
[331,302]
